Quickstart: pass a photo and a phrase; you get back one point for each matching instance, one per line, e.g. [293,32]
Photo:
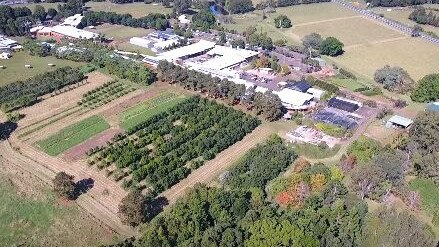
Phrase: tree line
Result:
[153,20]
[267,104]
[23,93]
[420,16]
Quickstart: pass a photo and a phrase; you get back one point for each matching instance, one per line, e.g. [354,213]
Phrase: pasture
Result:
[138,9]
[73,135]
[141,112]
[16,71]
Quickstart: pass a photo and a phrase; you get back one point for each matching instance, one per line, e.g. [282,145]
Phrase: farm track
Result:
[103,208]
[222,161]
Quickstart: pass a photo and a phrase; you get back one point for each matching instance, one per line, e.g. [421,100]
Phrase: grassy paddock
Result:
[138,9]
[141,112]
[15,69]
[73,135]
[36,219]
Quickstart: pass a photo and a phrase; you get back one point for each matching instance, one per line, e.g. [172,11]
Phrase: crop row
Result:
[104,94]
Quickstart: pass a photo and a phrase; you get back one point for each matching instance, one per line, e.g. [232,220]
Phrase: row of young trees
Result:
[23,93]
[153,20]
[420,16]
[204,129]
[267,104]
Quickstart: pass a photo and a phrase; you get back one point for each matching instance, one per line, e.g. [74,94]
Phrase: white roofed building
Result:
[60,31]
[188,51]
[398,121]
[225,57]
[294,100]
[73,20]
[316,93]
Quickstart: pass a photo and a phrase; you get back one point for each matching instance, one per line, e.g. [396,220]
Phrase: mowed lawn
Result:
[138,9]
[141,112]
[73,135]
[416,56]
[15,69]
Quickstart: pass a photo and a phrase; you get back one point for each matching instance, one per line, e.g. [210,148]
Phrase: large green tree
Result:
[331,47]
[64,185]
[427,89]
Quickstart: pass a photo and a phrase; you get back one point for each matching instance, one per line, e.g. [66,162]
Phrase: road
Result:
[390,23]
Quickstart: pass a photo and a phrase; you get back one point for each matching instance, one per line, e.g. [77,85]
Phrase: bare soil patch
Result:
[79,152]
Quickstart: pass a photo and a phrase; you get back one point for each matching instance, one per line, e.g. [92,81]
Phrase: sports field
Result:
[369,45]
[141,112]
[416,56]
[73,135]
[15,69]
[138,9]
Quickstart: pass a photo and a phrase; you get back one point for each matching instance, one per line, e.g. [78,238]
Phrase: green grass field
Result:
[429,193]
[138,9]
[118,32]
[15,69]
[73,135]
[141,112]
[32,217]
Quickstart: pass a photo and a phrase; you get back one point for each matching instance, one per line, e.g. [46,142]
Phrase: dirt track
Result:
[103,208]
[213,168]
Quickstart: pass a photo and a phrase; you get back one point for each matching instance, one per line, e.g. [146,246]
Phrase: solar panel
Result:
[342,105]
[329,117]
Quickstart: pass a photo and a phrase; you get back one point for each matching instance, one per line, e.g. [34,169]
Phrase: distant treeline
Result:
[396,3]
[420,16]
[153,20]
